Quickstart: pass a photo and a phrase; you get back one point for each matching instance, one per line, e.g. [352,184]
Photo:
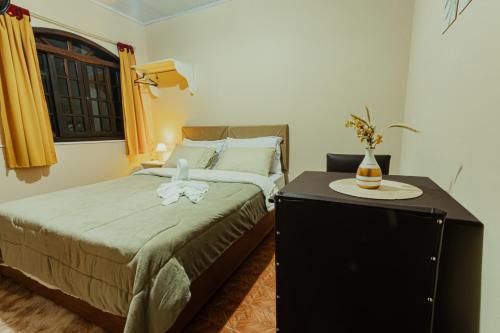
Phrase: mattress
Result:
[116,247]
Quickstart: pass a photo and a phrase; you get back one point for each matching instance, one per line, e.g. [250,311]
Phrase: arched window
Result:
[81,80]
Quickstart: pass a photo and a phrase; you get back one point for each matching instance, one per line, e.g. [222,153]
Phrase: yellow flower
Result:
[349,123]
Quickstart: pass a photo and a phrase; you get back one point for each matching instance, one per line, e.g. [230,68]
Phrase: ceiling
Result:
[149,11]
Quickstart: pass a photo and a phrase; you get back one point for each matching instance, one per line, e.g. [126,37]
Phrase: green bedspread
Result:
[114,245]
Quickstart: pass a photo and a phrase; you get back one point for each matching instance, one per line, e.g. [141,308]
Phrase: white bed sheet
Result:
[268,187]
[278,179]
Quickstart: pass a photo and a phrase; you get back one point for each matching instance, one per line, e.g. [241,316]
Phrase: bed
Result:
[113,254]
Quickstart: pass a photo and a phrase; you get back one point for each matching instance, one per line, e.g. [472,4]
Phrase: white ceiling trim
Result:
[168,17]
[100,4]
[187,11]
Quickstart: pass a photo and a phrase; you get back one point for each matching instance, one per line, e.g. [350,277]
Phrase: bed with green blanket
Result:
[116,247]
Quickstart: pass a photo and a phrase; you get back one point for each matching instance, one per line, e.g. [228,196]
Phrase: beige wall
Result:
[78,163]
[304,63]
[454,97]
[309,64]
[257,62]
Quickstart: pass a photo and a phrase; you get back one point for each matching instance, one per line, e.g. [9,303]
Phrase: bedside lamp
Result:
[161,148]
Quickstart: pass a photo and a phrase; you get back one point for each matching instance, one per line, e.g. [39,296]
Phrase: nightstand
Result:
[152,164]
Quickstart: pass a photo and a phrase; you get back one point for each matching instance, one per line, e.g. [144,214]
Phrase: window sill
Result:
[81,142]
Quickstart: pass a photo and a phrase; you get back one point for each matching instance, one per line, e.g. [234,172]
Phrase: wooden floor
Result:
[246,304]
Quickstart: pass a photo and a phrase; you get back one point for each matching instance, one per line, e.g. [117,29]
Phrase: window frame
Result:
[110,64]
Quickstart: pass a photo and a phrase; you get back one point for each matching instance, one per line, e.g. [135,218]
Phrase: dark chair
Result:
[350,163]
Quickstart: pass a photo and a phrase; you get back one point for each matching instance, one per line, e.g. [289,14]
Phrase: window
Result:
[81,81]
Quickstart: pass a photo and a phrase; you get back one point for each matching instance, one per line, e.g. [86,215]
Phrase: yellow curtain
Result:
[137,138]
[25,120]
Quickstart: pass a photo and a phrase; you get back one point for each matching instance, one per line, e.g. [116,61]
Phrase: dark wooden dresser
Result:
[353,265]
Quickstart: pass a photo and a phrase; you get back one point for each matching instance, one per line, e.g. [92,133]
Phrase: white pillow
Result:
[218,145]
[262,142]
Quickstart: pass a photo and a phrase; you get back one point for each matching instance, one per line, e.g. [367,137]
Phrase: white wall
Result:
[78,163]
[303,63]
[453,96]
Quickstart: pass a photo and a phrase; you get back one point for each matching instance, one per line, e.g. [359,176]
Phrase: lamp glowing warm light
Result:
[161,148]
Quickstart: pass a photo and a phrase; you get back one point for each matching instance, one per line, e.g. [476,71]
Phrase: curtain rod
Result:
[69,27]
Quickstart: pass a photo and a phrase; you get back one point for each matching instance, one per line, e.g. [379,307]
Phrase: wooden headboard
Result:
[242,132]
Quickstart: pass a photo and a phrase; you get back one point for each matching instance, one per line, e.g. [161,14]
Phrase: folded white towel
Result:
[267,186]
[182,170]
[171,192]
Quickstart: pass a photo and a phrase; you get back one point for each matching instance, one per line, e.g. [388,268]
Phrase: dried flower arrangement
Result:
[366,130]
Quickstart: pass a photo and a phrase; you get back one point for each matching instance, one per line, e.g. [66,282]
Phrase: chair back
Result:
[350,163]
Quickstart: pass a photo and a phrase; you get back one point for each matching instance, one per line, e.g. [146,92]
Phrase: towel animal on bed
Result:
[182,186]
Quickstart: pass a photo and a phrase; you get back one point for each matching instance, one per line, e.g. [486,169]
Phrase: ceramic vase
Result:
[369,175]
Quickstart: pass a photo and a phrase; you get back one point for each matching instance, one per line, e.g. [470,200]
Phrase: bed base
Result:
[202,289]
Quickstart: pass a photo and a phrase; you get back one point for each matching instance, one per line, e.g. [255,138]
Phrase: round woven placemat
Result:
[389,190]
